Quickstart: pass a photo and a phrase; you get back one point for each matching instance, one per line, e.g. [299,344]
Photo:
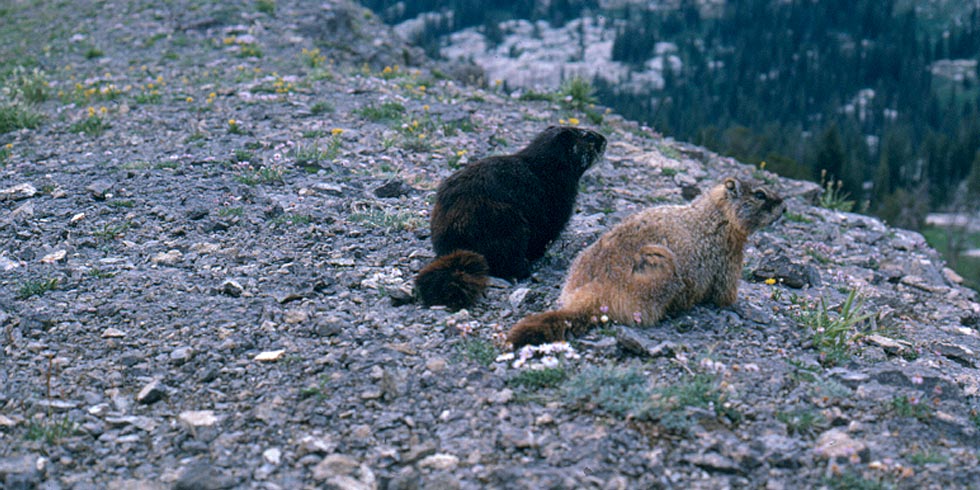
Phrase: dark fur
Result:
[505,209]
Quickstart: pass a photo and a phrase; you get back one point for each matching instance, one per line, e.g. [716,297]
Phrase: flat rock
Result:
[837,445]
[100,189]
[18,192]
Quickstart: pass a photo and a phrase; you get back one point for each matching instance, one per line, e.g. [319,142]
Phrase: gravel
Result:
[190,302]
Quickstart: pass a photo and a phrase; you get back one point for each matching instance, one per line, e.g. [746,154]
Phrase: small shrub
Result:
[100,274]
[620,391]
[292,219]
[312,57]
[833,331]
[111,231]
[319,108]
[833,197]
[477,350]
[577,93]
[797,218]
[262,174]
[29,86]
[802,421]
[267,7]
[93,52]
[927,456]
[388,111]
[233,211]
[535,379]
[36,287]
[387,220]
[903,406]
[16,116]
[50,431]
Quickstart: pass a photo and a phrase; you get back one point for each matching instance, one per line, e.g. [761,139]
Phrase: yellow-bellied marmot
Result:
[499,214]
[660,260]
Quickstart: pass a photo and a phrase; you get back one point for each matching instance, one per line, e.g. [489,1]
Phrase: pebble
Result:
[273,455]
[232,288]
[151,393]
[270,356]
[113,333]
[171,257]
[198,418]
[439,461]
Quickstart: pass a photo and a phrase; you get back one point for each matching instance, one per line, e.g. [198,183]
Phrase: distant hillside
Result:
[878,98]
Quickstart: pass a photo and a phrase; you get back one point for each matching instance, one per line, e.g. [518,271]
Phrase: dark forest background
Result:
[768,81]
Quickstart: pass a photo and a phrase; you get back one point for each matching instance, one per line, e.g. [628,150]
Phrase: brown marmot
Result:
[660,260]
[499,214]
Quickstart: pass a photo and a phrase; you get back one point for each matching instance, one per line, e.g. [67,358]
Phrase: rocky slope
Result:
[204,237]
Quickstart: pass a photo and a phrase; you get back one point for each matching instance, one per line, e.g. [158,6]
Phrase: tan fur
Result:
[660,260]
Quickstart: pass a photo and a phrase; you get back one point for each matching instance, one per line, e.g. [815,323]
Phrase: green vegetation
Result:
[833,330]
[292,219]
[833,197]
[36,287]
[249,174]
[952,243]
[93,125]
[267,7]
[625,391]
[17,116]
[536,379]
[320,108]
[803,421]
[50,431]
[904,406]
[111,231]
[476,350]
[927,456]
[850,480]
[387,112]
[97,273]
[232,211]
[388,219]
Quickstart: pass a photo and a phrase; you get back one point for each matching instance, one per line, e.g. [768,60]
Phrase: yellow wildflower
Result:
[103,110]
[336,131]
[232,122]
[770,281]
[190,99]
[91,111]
[9,146]
[425,107]
[573,121]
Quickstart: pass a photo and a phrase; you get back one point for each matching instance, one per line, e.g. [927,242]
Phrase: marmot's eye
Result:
[760,195]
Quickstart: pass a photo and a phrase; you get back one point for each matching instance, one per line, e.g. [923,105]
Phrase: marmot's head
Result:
[565,149]
[754,206]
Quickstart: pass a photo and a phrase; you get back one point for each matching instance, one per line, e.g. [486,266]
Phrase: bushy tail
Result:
[455,280]
[550,326]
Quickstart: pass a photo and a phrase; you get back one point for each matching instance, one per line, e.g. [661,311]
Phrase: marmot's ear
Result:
[733,186]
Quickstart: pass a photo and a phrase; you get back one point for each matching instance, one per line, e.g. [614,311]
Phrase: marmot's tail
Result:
[550,326]
[455,280]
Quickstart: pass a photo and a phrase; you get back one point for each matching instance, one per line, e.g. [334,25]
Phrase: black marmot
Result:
[499,214]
